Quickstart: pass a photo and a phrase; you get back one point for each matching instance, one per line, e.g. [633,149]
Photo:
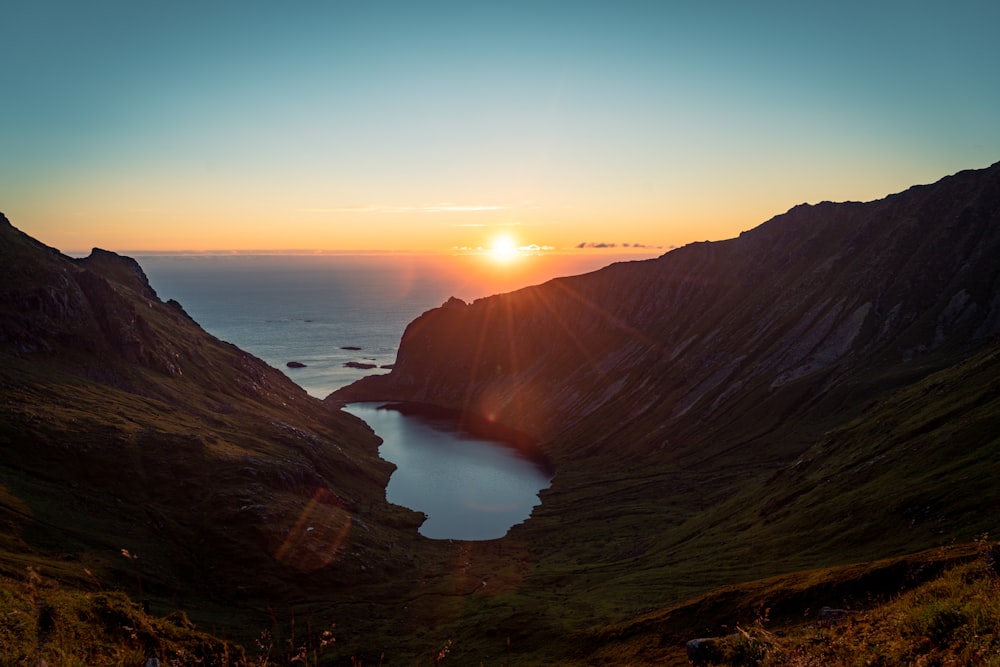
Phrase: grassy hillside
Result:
[936,608]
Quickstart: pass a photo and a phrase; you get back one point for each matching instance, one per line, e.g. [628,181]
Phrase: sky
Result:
[374,125]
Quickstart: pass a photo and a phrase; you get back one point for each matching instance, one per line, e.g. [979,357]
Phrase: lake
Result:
[470,488]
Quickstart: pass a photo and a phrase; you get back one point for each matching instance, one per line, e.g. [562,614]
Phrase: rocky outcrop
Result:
[98,305]
[828,616]
[704,651]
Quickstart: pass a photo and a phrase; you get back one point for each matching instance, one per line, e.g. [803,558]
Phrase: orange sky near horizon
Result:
[117,221]
[425,232]
[431,127]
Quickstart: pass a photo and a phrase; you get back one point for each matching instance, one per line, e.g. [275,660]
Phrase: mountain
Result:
[125,426]
[826,291]
[822,390]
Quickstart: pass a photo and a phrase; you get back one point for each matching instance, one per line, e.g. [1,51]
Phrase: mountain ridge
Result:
[666,311]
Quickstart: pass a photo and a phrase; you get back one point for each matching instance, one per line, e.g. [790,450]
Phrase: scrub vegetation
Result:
[945,610]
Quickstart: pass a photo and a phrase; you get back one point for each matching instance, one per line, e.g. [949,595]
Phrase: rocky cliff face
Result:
[94,305]
[821,298]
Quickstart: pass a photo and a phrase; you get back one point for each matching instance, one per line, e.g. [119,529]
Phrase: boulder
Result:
[704,651]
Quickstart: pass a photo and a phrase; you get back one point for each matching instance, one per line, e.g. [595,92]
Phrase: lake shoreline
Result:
[469,486]
[476,425]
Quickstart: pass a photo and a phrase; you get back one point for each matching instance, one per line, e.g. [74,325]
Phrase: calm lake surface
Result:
[469,488]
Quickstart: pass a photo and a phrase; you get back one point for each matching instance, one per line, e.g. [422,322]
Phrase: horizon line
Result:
[303,252]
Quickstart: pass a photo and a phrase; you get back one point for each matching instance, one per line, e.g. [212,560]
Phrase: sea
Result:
[327,310]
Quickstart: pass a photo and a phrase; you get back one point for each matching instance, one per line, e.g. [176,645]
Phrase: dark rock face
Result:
[828,616]
[809,301]
[454,302]
[53,303]
[295,364]
[704,651]
[124,270]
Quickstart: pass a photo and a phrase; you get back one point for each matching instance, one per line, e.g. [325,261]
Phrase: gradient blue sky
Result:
[426,126]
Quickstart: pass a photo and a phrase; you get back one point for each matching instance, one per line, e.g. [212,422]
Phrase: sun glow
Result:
[503,248]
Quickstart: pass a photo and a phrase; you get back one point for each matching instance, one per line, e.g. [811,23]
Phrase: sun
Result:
[503,248]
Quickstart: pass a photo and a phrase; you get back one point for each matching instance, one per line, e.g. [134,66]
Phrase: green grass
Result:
[940,607]
[944,602]
[951,620]
[66,627]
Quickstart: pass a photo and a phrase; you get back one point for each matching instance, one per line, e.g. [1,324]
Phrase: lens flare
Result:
[318,533]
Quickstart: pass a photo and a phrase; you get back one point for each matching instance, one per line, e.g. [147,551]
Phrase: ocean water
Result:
[314,309]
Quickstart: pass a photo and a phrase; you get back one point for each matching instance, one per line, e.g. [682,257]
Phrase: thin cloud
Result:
[530,249]
[534,249]
[341,209]
[603,244]
[486,224]
[445,207]
[459,208]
